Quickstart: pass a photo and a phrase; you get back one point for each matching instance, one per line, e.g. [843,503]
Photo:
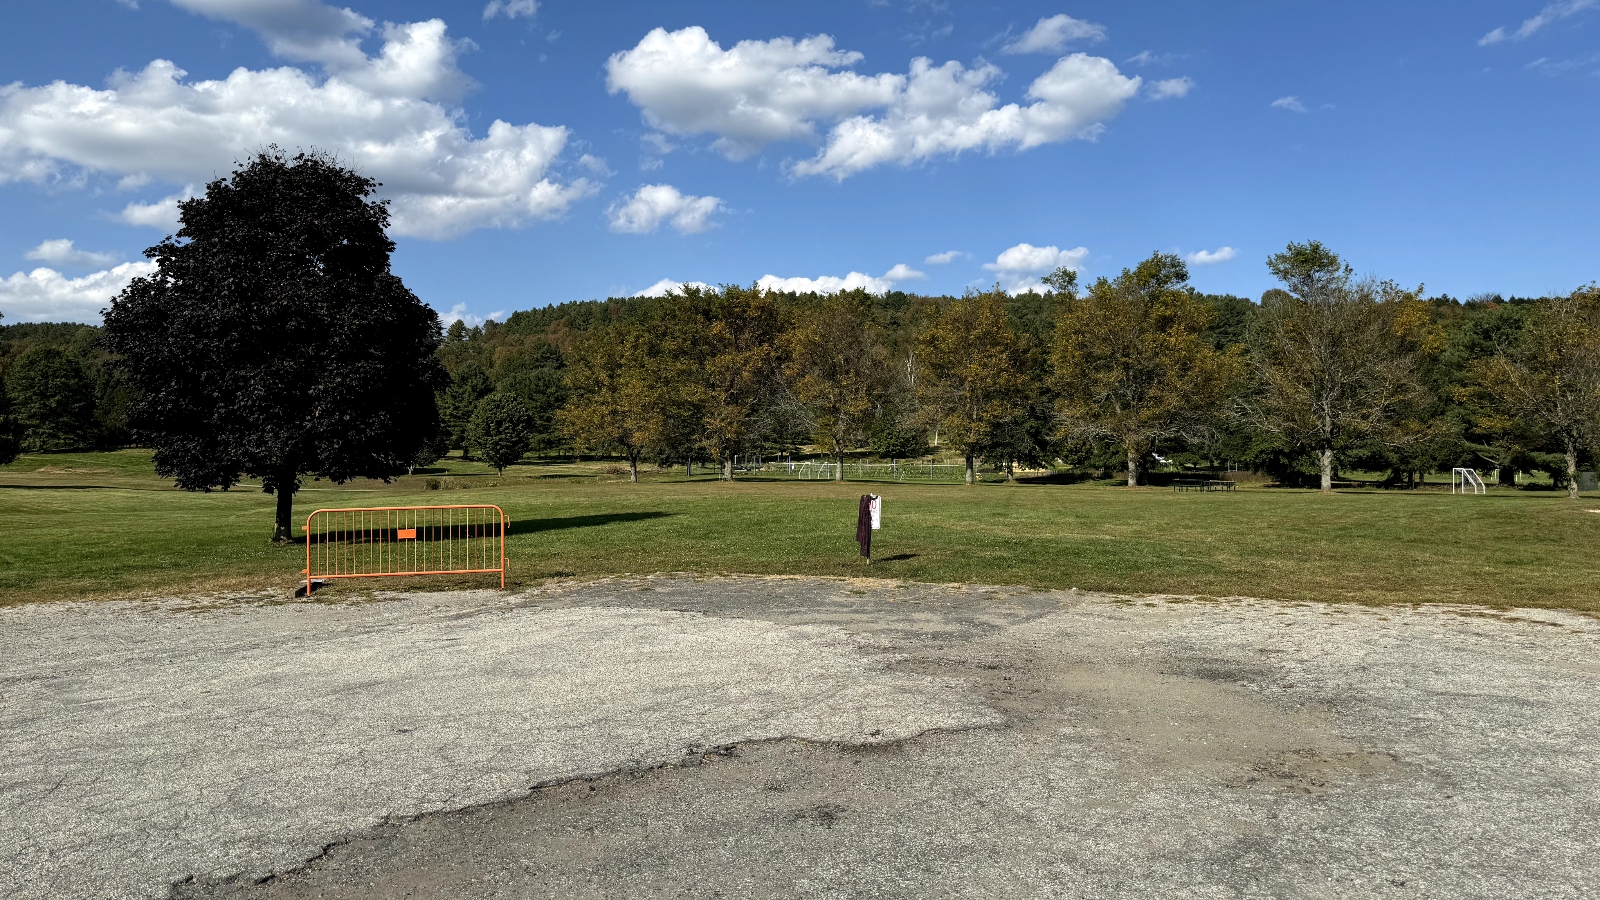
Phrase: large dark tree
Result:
[273,341]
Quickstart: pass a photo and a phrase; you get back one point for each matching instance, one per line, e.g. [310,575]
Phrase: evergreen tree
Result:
[502,430]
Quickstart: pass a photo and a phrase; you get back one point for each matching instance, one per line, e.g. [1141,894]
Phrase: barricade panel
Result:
[362,542]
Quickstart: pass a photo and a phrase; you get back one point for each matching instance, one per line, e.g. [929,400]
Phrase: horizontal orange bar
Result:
[393,508]
[406,534]
[430,572]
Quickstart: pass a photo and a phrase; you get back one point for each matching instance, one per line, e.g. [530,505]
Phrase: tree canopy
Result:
[1133,365]
[273,341]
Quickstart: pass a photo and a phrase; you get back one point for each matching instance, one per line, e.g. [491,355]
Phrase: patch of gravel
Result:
[796,737]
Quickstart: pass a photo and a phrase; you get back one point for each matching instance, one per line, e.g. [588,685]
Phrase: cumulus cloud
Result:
[1554,12]
[162,214]
[380,114]
[945,110]
[459,313]
[595,166]
[826,284]
[833,284]
[1054,32]
[653,204]
[511,9]
[1171,88]
[939,259]
[759,92]
[304,30]
[750,95]
[45,295]
[1019,268]
[61,252]
[667,286]
[1291,103]
[1212,257]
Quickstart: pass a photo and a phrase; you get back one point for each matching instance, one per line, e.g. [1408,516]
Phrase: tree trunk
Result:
[1011,471]
[633,467]
[1133,467]
[727,469]
[1572,470]
[838,474]
[283,525]
[1505,475]
[688,468]
[1327,470]
[970,474]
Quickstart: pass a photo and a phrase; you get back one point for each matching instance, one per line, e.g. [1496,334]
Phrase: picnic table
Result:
[1201,484]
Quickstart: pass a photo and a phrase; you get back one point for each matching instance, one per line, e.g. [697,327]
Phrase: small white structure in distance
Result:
[1466,481]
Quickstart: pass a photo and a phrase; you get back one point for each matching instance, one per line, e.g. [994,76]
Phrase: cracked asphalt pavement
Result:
[787,737]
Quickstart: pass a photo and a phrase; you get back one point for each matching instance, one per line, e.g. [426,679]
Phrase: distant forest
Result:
[63,391]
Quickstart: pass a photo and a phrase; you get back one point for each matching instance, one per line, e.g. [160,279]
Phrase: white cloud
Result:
[305,30]
[750,95]
[1212,257]
[1019,268]
[379,115]
[162,214]
[595,165]
[939,259]
[61,252]
[1146,58]
[511,9]
[45,295]
[945,110]
[826,284]
[653,204]
[1291,103]
[1551,13]
[1171,88]
[833,284]
[1054,32]
[459,312]
[667,286]
[764,91]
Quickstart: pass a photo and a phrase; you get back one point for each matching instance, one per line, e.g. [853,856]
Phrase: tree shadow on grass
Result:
[534,526]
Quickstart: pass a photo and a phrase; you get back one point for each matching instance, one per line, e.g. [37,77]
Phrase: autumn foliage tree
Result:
[1132,364]
[972,380]
[623,394]
[1329,357]
[273,341]
[730,338]
[838,371]
[1546,385]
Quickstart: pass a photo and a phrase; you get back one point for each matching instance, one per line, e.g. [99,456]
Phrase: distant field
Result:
[101,525]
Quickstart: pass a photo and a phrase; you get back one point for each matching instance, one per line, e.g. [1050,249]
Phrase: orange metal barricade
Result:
[405,540]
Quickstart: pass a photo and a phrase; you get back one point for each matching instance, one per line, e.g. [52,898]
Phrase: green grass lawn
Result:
[101,525]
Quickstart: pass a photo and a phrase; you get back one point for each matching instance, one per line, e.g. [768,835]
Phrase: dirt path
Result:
[796,738]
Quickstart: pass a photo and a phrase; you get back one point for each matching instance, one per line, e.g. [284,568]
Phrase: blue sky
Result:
[551,151]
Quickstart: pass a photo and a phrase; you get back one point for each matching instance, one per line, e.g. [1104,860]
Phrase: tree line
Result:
[1328,373]
[273,342]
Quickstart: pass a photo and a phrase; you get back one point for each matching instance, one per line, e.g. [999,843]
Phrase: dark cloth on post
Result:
[864,526]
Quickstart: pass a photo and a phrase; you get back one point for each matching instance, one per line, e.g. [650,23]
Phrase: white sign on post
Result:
[875,506]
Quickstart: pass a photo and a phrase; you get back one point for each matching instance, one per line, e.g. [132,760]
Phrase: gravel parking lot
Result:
[770,737]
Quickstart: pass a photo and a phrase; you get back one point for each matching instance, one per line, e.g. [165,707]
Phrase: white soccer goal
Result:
[1466,481]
